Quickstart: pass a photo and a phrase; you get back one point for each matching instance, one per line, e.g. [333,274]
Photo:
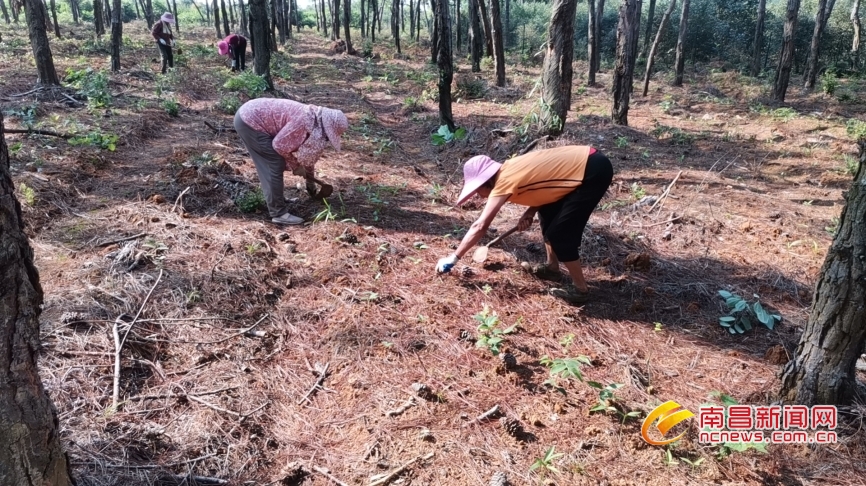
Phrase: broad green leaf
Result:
[724,323]
[727,319]
[725,294]
[460,134]
[731,330]
[615,386]
[741,305]
[739,329]
[444,132]
[595,384]
[601,407]
[584,360]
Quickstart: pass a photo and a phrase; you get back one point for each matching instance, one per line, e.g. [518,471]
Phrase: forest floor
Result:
[232,315]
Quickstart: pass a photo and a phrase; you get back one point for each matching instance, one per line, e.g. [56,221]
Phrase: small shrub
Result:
[829,83]
[490,336]
[445,135]
[96,139]
[28,195]
[251,201]
[487,63]
[856,129]
[247,82]
[411,104]
[621,142]
[739,318]
[171,106]
[367,50]
[784,115]
[637,191]
[91,84]
[470,88]
[851,165]
[229,104]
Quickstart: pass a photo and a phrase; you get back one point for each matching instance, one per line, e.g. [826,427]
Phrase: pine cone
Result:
[508,360]
[499,479]
[512,426]
[467,272]
[423,391]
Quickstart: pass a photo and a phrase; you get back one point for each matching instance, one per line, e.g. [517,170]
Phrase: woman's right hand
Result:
[526,221]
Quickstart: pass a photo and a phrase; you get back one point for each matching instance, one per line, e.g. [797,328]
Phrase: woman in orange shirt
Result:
[562,185]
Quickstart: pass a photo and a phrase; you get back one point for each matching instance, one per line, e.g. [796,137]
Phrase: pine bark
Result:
[557,72]
[823,369]
[855,42]
[599,17]
[116,36]
[216,20]
[591,42]
[336,16]
[627,34]
[758,45]
[225,17]
[654,49]
[54,19]
[97,18]
[148,12]
[649,27]
[34,11]
[395,23]
[261,39]
[680,62]
[810,76]
[5,12]
[476,42]
[786,54]
[347,15]
[29,433]
[445,62]
[498,47]
[485,21]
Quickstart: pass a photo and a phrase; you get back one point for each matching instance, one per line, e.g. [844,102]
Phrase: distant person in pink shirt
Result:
[235,46]
[286,135]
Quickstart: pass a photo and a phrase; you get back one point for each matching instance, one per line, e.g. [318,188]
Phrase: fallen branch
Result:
[484,416]
[533,143]
[402,408]
[388,477]
[38,132]
[197,480]
[667,191]
[219,129]
[318,383]
[120,240]
[148,466]
[118,345]
[212,406]
[181,395]
[239,333]
[324,472]
[178,200]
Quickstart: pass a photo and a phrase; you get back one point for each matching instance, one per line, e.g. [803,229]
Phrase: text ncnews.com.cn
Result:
[769,437]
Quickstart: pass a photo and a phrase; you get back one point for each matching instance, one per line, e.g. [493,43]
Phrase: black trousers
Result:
[239,56]
[563,221]
[167,56]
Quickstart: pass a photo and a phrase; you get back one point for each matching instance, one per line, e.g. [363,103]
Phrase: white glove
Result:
[446,264]
[162,41]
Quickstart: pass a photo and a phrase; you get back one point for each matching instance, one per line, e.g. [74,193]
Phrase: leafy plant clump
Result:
[229,104]
[742,313]
[248,83]
[96,139]
[445,135]
[171,106]
[490,336]
[607,401]
[91,84]
[545,464]
[829,83]
[251,201]
[564,368]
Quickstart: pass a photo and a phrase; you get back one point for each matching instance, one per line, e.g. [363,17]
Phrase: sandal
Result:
[570,295]
[542,271]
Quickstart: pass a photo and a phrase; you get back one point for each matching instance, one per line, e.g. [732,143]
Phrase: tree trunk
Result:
[485,21]
[73,9]
[476,42]
[507,37]
[232,22]
[418,21]
[827,12]
[591,42]
[324,19]
[434,36]
[242,12]
[557,72]
[31,453]
[148,12]
[627,34]
[297,15]
[225,17]
[97,18]
[786,55]
[498,48]
[272,29]
[758,44]
[681,40]
[34,11]
[216,19]
[395,23]
[364,8]
[649,27]
[278,6]
[347,15]
[459,42]
[14,6]
[599,17]
[197,9]
[855,44]
[116,35]
[5,12]
[176,16]
[810,76]
[54,19]
[336,16]
[652,53]
[412,19]
[372,28]
[823,368]
[445,63]
[259,30]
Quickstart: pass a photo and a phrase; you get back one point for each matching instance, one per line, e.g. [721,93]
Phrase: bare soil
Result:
[232,315]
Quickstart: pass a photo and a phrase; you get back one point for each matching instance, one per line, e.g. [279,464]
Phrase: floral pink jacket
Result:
[301,132]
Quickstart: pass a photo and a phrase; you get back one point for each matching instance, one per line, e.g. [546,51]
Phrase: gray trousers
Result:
[269,164]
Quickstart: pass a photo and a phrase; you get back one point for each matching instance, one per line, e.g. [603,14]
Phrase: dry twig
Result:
[667,191]
[324,472]
[120,240]
[391,475]
[318,383]
[33,131]
[219,129]
[402,408]
[179,199]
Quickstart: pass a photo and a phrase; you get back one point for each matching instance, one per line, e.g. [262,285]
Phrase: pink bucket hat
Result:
[476,172]
[223,47]
[335,123]
[167,17]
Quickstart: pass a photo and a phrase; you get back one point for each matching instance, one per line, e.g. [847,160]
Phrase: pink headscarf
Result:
[334,123]
[476,172]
